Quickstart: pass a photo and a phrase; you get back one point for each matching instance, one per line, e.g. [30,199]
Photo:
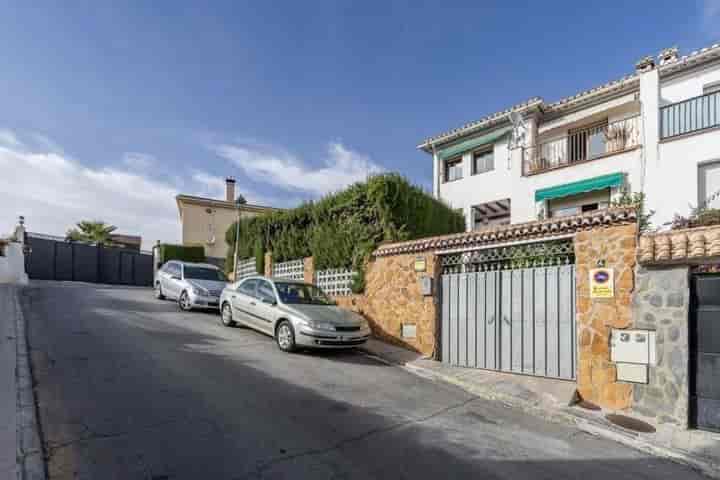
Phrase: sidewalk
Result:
[21,455]
[8,390]
[551,399]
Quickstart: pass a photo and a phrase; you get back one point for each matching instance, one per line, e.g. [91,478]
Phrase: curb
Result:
[587,423]
[30,456]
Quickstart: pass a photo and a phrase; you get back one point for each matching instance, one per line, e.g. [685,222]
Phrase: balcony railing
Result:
[690,116]
[582,145]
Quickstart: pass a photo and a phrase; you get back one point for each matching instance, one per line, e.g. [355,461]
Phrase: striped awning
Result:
[473,143]
[583,186]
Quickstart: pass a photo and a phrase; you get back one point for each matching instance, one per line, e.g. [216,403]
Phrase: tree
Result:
[93,231]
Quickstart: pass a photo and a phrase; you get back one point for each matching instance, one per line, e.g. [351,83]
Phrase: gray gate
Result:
[55,259]
[519,320]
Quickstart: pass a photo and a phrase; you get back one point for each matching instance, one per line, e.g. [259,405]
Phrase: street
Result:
[129,387]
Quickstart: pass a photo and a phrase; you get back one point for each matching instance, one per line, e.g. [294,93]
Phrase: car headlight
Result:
[364,325]
[319,325]
[200,291]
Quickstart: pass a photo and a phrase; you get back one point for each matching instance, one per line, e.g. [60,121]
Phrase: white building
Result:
[655,131]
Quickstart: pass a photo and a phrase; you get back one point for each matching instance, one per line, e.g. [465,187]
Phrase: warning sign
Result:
[602,283]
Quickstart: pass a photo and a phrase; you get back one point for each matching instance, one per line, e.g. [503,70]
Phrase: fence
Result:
[690,115]
[51,258]
[292,270]
[335,282]
[583,144]
[246,268]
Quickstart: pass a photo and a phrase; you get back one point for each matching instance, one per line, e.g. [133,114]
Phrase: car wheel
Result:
[226,316]
[158,292]
[285,337]
[184,302]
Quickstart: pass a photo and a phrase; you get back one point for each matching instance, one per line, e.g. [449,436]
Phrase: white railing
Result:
[292,270]
[335,282]
[246,268]
[582,145]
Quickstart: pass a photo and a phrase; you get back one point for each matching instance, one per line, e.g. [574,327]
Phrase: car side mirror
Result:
[269,301]
[175,277]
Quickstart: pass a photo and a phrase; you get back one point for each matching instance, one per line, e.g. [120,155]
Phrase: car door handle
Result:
[252,303]
[233,296]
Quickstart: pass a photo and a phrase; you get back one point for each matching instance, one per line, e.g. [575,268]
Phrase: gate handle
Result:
[506,319]
[492,319]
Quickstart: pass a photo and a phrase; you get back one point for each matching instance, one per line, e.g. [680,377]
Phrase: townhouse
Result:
[655,131]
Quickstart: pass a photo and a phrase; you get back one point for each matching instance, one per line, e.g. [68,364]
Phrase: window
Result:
[580,203]
[248,287]
[483,162]
[265,292]
[587,142]
[709,185]
[711,88]
[299,293]
[453,169]
[203,273]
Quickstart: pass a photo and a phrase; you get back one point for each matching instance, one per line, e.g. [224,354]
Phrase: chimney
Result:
[669,55]
[230,189]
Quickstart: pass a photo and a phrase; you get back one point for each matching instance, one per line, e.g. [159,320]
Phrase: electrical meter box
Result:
[632,346]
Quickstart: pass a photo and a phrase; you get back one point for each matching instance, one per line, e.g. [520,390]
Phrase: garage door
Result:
[705,353]
[517,320]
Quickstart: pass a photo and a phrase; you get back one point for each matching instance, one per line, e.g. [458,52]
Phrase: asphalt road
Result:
[130,388]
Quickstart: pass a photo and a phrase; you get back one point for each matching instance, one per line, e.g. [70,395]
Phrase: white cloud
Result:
[53,192]
[138,161]
[711,18]
[264,163]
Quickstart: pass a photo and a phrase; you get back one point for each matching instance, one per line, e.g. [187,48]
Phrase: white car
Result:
[193,285]
[296,314]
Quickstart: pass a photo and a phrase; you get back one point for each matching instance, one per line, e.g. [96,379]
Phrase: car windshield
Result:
[302,293]
[202,273]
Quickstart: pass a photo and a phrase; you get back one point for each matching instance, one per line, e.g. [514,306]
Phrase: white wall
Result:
[667,171]
[12,265]
[672,171]
[484,187]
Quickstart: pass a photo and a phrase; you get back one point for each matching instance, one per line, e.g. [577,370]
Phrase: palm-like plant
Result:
[94,231]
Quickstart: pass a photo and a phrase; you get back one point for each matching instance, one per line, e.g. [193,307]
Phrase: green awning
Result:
[596,183]
[462,147]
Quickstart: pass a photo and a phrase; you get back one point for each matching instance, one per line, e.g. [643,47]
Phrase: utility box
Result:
[632,346]
[426,285]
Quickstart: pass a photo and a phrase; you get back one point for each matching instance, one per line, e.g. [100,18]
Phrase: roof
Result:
[213,202]
[513,233]
[686,246]
[625,83]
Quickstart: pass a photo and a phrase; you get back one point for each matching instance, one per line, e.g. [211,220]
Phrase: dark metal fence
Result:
[52,258]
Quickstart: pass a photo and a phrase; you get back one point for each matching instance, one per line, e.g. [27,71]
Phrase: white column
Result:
[650,165]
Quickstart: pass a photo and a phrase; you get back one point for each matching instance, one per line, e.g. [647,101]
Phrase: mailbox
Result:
[632,346]
[426,285]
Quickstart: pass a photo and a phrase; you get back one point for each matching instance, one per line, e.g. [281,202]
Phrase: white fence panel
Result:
[246,268]
[335,282]
[292,270]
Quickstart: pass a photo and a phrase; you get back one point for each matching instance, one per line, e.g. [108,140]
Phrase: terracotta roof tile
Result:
[517,232]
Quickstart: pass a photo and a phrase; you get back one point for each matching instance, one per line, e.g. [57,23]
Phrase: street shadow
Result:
[187,413]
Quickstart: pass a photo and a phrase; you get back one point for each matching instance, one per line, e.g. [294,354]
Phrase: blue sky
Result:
[107,110]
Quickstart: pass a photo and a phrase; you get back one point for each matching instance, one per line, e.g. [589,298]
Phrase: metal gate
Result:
[705,353]
[52,258]
[519,320]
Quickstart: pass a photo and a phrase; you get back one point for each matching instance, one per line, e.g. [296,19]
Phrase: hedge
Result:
[342,229]
[184,253]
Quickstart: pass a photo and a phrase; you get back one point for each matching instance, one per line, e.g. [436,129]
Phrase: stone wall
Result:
[392,297]
[661,303]
[616,246]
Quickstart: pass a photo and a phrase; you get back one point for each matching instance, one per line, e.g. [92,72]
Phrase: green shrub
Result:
[181,252]
[342,229]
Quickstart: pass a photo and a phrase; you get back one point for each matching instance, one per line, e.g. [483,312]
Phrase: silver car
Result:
[193,285]
[296,314]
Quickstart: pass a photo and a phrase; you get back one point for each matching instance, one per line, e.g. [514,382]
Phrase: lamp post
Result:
[239,202]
